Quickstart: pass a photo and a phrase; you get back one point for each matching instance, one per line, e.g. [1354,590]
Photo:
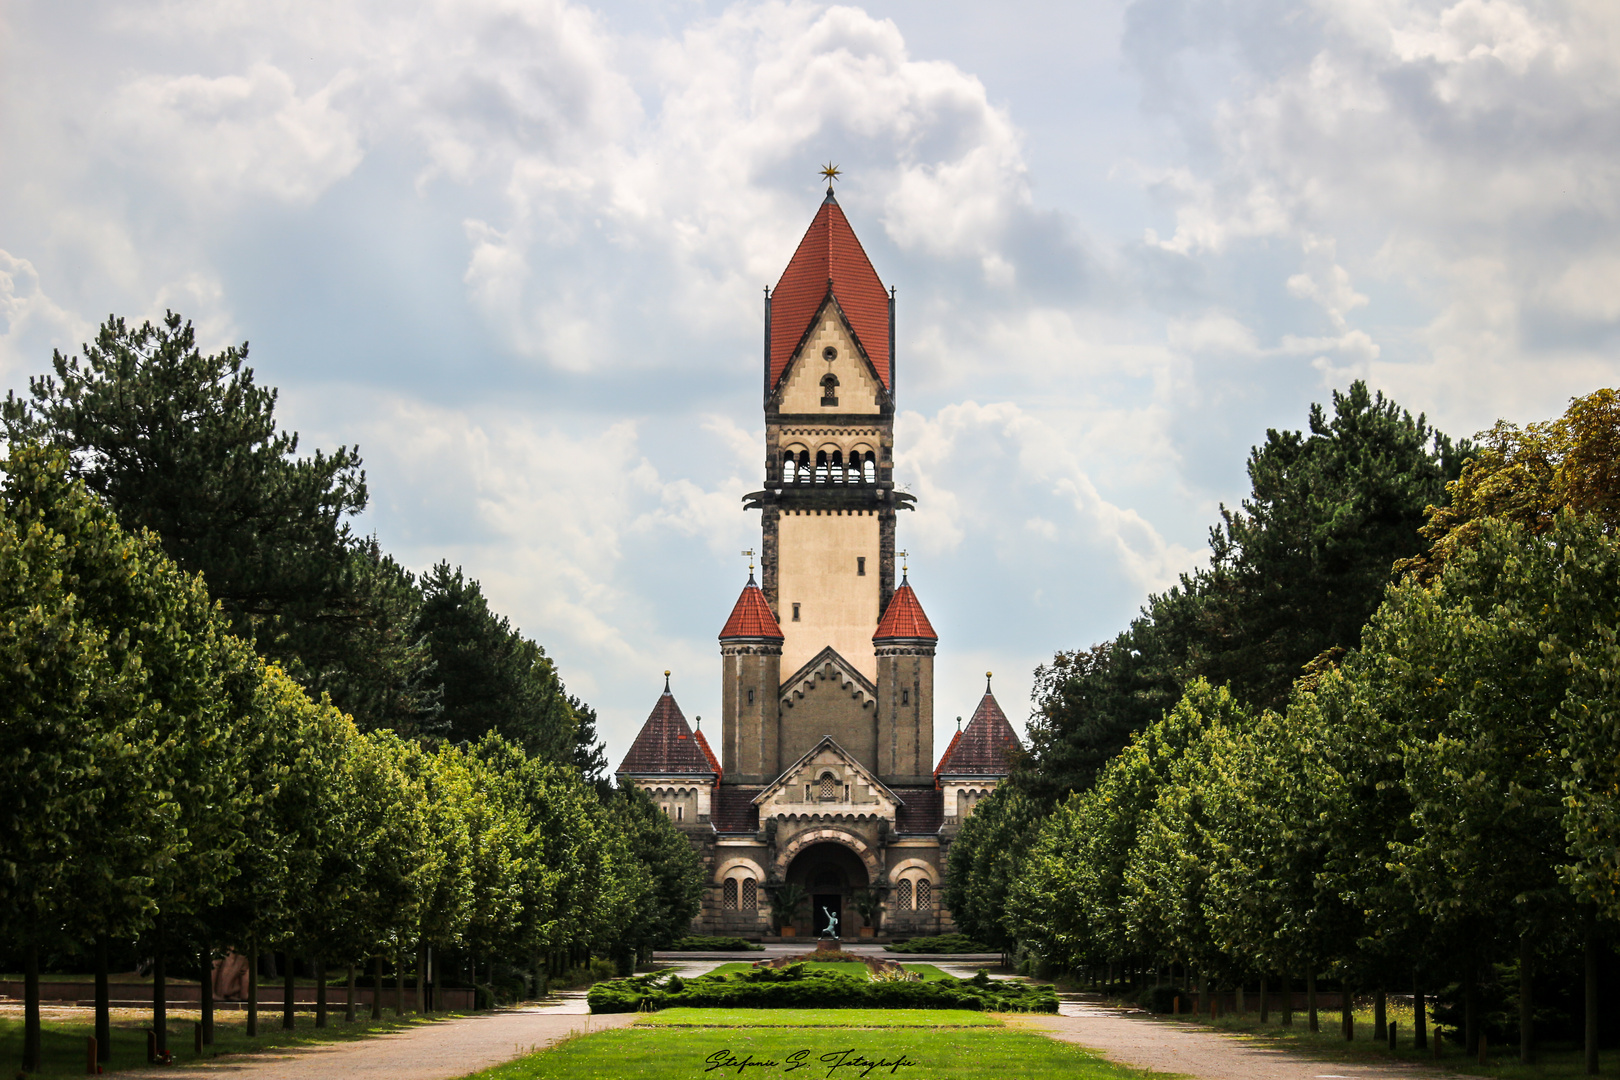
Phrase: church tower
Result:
[829,503]
[825,778]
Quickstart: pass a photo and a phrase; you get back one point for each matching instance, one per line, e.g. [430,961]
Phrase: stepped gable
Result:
[830,260]
[904,618]
[665,746]
[986,747]
[751,617]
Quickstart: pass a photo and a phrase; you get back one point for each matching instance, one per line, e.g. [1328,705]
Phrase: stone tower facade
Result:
[826,777]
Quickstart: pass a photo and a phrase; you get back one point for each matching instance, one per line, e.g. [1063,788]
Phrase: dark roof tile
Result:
[665,746]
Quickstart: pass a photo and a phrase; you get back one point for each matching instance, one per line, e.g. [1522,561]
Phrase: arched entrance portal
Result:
[831,873]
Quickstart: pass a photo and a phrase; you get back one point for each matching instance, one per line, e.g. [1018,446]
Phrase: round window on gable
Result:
[829,354]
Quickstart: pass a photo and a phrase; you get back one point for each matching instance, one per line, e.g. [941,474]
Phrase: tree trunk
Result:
[253,990]
[160,990]
[348,1004]
[1420,1015]
[1265,1001]
[1287,999]
[399,986]
[1380,1021]
[1241,1003]
[1527,1010]
[421,975]
[30,1054]
[1310,999]
[103,1001]
[376,987]
[1470,1012]
[320,993]
[1589,949]
[205,995]
[1347,1018]
[288,992]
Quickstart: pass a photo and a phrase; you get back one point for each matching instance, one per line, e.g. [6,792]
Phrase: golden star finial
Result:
[831,172]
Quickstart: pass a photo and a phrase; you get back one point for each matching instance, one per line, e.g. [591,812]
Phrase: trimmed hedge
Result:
[715,944]
[945,943]
[796,987]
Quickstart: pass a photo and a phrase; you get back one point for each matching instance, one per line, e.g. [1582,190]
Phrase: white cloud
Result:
[31,323]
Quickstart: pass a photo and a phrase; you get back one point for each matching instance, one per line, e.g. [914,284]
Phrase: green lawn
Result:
[929,972]
[63,1041]
[651,1053]
[817,1018]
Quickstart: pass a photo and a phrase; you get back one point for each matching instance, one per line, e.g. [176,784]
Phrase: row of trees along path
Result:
[180,779]
[1429,805]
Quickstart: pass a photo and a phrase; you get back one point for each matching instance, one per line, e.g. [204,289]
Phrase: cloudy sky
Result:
[515,250]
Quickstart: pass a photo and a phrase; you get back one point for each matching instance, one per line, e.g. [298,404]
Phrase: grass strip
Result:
[643,1053]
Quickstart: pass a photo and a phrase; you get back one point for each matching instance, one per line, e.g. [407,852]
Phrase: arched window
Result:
[836,472]
[821,466]
[925,894]
[790,467]
[750,894]
[829,389]
[804,466]
[729,894]
[902,896]
[829,787]
[869,468]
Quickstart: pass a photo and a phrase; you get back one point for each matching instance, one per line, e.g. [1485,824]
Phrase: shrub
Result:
[945,943]
[797,987]
[715,944]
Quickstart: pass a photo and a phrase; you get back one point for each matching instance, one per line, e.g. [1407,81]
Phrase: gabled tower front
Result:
[829,502]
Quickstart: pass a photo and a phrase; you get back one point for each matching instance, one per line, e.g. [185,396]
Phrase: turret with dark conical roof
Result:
[980,756]
[672,763]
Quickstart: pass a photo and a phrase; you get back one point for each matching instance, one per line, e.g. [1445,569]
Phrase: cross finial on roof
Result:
[831,172]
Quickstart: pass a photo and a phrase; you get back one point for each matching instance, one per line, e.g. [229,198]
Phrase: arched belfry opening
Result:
[832,873]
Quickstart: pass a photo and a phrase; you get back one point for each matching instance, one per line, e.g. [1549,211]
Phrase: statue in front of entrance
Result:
[832,923]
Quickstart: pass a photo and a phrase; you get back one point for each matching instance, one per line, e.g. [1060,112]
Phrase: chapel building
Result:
[826,776]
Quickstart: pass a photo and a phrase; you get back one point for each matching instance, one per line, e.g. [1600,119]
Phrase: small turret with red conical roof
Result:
[751,618]
[903,619]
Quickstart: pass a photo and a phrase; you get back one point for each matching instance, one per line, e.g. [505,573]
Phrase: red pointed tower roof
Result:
[986,747]
[904,617]
[830,258]
[665,746]
[751,617]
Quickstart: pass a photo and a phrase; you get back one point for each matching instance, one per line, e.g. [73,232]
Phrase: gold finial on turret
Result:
[750,554]
[831,172]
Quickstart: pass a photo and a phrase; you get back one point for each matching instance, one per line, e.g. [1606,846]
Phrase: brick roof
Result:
[904,618]
[751,617]
[733,809]
[829,256]
[921,811]
[708,754]
[985,746]
[665,745]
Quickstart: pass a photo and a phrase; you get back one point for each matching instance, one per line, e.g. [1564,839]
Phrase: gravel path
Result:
[438,1051]
[1136,1039]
